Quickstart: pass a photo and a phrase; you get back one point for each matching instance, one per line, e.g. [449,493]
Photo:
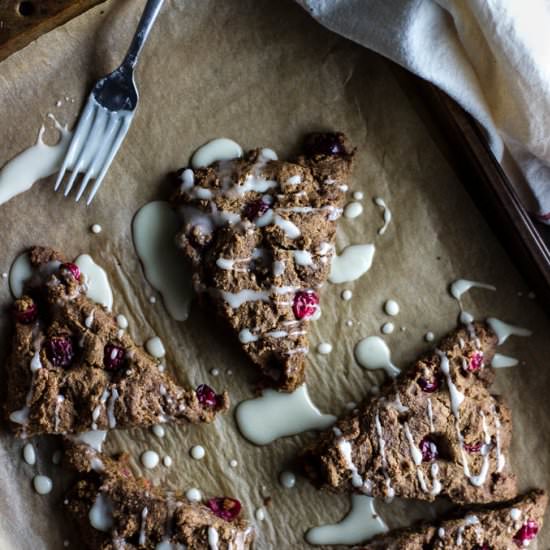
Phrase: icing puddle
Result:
[274,415]
[373,353]
[353,262]
[97,282]
[37,162]
[360,524]
[215,150]
[153,230]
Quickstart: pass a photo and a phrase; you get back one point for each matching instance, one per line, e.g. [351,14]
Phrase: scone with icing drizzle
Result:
[435,430]
[504,526]
[259,234]
[72,369]
[114,509]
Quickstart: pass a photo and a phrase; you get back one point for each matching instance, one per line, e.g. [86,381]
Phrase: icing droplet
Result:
[387,328]
[287,479]
[275,415]
[353,262]
[353,209]
[122,322]
[29,454]
[347,295]
[386,213]
[57,456]
[391,307]
[358,195]
[155,347]
[96,229]
[150,459]
[324,348]
[502,361]
[193,495]
[167,461]
[233,463]
[159,431]
[373,353]
[360,524]
[216,150]
[42,484]
[260,514]
[197,452]
[429,336]
[504,330]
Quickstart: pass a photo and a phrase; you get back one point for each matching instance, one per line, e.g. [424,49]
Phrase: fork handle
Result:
[148,18]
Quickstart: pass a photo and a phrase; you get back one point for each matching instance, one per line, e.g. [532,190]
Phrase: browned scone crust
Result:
[143,515]
[308,192]
[86,395]
[502,526]
[390,436]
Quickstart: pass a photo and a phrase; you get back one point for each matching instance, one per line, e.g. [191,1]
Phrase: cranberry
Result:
[25,310]
[428,448]
[429,386]
[472,448]
[324,144]
[476,361]
[207,396]
[224,507]
[305,304]
[527,532]
[59,350]
[253,210]
[113,356]
[73,269]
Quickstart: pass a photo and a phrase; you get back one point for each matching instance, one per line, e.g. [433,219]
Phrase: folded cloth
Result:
[491,56]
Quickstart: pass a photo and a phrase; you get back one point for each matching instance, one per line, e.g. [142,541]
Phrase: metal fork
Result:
[107,116]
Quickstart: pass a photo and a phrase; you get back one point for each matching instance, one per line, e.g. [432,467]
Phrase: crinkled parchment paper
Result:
[262,73]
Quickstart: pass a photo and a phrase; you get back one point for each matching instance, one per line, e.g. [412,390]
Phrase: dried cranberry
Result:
[253,210]
[73,269]
[59,350]
[527,532]
[428,448]
[305,304]
[225,507]
[475,362]
[113,356]
[472,448]
[324,144]
[25,310]
[429,386]
[207,396]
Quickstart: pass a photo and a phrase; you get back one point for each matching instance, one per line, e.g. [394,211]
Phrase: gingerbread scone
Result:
[259,234]
[72,369]
[436,430]
[504,526]
[114,509]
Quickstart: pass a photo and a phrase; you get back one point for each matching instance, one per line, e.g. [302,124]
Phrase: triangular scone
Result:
[259,233]
[436,430]
[114,509]
[72,369]
[503,526]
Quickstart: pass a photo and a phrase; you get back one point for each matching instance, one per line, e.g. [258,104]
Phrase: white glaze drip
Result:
[504,330]
[502,361]
[386,213]
[101,513]
[373,353]
[219,149]
[353,262]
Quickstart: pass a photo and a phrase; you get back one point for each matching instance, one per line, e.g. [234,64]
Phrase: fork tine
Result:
[80,131]
[90,146]
[99,158]
[126,121]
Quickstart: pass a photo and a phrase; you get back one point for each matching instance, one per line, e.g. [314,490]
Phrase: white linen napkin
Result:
[492,56]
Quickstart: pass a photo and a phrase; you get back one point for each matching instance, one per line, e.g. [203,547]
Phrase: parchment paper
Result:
[263,74]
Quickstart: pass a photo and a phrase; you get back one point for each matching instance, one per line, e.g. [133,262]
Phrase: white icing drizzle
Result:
[386,213]
[360,524]
[142,530]
[59,400]
[430,414]
[213,538]
[101,513]
[502,361]
[302,257]
[382,449]
[353,262]
[92,438]
[460,286]
[504,330]
[89,321]
[96,281]
[219,149]
[457,397]
[111,408]
[515,514]
[345,448]
[237,299]
[416,454]
[97,410]
[275,415]
[246,336]
[501,459]
[373,353]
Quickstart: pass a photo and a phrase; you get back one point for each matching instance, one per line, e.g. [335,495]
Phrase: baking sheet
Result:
[263,74]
